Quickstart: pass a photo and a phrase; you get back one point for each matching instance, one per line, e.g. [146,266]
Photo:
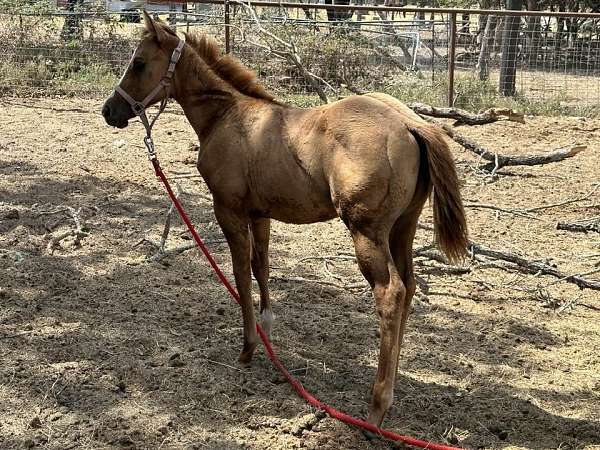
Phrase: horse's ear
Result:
[154,28]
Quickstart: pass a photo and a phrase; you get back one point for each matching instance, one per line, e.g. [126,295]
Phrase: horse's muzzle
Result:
[115,113]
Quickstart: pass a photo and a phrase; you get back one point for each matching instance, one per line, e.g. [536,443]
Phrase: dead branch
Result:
[186,175]
[286,50]
[514,211]
[361,285]
[584,225]
[12,336]
[161,251]
[510,261]
[463,117]
[557,155]
[581,226]
[497,161]
[78,233]
[166,253]
[566,202]
[322,258]
[532,267]
[426,251]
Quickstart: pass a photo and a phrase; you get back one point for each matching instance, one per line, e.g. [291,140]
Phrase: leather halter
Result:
[139,108]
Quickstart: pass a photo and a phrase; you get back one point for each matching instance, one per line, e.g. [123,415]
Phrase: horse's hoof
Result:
[247,353]
[369,435]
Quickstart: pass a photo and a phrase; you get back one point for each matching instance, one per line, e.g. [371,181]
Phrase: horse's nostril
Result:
[106,110]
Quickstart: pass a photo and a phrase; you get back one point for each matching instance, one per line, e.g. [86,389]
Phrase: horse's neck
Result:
[206,111]
[203,96]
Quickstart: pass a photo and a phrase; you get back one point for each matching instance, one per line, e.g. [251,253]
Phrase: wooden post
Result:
[510,44]
[451,59]
[227,31]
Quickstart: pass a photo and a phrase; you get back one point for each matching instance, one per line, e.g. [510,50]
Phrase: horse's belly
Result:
[292,209]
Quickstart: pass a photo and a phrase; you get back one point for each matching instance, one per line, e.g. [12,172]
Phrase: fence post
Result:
[227,34]
[451,59]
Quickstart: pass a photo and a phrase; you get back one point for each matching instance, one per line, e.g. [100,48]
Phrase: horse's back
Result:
[368,155]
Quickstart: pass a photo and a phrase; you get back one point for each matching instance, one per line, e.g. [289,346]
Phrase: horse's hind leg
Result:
[401,247]
[260,267]
[378,267]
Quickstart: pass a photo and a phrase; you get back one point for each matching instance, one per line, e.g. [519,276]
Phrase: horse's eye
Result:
[138,65]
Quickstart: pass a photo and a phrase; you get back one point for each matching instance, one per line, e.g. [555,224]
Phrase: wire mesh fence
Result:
[556,59]
[299,51]
[72,54]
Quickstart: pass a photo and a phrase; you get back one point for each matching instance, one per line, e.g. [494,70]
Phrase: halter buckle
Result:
[138,108]
[150,147]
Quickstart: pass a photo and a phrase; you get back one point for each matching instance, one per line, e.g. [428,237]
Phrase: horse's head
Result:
[144,74]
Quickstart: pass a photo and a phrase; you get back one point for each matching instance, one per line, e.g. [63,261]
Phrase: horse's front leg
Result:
[236,231]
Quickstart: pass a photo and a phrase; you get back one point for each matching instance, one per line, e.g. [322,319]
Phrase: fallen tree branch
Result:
[582,226]
[360,285]
[421,283]
[557,155]
[591,224]
[161,251]
[463,117]
[565,202]
[532,267]
[510,261]
[497,161]
[165,253]
[516,212]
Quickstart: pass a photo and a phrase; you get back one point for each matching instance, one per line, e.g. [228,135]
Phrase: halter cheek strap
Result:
[139,108]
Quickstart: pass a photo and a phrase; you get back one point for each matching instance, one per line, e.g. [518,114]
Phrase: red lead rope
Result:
[295,383]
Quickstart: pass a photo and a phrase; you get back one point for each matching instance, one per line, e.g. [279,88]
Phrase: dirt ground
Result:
[100,348]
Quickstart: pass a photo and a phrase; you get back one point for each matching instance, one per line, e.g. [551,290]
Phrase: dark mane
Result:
[228,67]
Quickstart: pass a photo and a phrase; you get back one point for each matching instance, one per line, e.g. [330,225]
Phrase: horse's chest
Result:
[224,176]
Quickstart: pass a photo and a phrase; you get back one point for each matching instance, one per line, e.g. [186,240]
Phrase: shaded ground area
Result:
[101,349]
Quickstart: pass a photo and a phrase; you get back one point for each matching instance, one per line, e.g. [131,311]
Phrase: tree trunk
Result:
[482,21]
[487,42]
[498,34]
[510,45]
[533,34]
[72,26]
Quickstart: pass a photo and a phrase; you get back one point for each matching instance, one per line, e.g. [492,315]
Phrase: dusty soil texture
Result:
[101,348]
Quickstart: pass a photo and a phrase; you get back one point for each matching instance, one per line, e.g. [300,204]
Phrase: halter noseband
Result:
[139,108]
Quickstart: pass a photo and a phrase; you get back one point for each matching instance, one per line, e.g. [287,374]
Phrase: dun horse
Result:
[366,159]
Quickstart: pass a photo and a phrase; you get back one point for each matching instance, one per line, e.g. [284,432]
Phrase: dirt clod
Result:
[176,361]
[35,422]
[12,214]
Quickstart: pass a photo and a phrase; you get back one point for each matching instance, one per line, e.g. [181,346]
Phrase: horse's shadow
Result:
[438,392]
[113,355]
